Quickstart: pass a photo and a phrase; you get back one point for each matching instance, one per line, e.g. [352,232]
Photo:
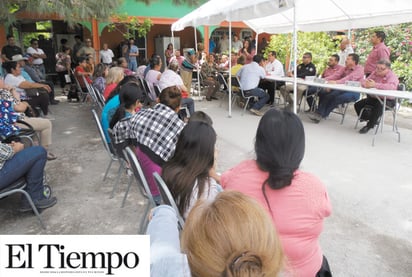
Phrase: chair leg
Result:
[344,113]
[127,190]
[107,170]
[144,221]
[36,212]
[119,174]
[246,104]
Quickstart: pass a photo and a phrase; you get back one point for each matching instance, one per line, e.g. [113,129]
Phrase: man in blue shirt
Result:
[249,76]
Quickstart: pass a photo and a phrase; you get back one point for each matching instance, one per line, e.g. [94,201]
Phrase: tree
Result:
[72,11]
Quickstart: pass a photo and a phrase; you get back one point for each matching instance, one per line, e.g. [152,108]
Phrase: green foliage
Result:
[133,26]
[321,45]
[398,39]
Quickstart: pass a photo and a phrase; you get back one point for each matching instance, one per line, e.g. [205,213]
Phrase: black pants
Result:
[42,101]
[324,270]
[270,87]
[375,111]
[51,85]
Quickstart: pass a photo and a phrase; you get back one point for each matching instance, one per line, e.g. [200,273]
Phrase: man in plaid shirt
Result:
[154,132]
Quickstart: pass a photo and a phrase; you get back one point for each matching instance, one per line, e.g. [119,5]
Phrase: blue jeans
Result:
[190,104]
[261,94]
[330,100]
[28,163]
[132,65]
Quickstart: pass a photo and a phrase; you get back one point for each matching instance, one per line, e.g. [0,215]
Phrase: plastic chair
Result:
[168,198]
[18,187]
[236,83]
[110,152]
[143,186]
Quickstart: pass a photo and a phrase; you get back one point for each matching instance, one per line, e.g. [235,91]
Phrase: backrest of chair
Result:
[401,87]
[157,90]
[76,80]
[133,162]
[168,198]
[236,82]
[222,81]
[117,149]
[101,133]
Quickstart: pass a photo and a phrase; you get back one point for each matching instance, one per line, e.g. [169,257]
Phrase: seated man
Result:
[35,76]
[275,68]
[17,162]
[170,78]
[330,99]
[382,78]
[334,71]
[250,76]
[154,132]
[306,68]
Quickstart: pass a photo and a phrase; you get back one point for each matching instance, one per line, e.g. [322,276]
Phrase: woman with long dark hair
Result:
[187,173]
[297,201]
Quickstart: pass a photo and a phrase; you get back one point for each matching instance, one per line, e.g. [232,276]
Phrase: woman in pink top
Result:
[297,201]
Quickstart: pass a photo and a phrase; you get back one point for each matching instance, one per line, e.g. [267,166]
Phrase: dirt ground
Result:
[359,238]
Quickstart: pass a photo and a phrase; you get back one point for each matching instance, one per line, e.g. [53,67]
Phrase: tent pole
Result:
[198,68]
[295,50]
[230,66]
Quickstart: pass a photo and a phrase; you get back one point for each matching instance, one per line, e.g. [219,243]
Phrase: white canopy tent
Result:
[214,12]
[332,15]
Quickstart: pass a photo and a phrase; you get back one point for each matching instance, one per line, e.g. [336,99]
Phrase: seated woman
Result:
[122,63]
[153,76]
[17,162]
[41,125]
[155,132]
[231,235]
[16,80]
[99,75]
[297,201]
[170,78]
[112,103]
[114,76]
[81,71]
[188,173]
[131,97]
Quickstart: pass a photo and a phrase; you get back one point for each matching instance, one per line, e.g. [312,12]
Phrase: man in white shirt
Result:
[273,67]
[250,76]
[106,55]
[38,56]
[345,50]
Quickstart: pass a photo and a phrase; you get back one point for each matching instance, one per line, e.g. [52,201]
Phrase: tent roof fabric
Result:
[333,15]
[214,12]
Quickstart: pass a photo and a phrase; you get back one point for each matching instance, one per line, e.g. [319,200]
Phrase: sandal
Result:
[51,156]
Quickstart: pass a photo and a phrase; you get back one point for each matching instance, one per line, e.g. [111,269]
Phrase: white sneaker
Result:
[256,112]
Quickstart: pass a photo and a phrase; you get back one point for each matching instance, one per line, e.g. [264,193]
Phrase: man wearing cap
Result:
[38,55]
[87,50]
[35,76]
[11,49]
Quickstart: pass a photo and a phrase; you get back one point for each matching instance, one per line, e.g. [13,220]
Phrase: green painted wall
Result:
[158,8]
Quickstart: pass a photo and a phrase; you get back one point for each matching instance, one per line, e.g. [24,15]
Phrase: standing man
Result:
[250,76]
[38,55]
[379,52]
[345,50]
[11,49]
[273,67]
[306,68]
[76,47]
[106,55]
[87,51]
[133,54]
[382,78]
